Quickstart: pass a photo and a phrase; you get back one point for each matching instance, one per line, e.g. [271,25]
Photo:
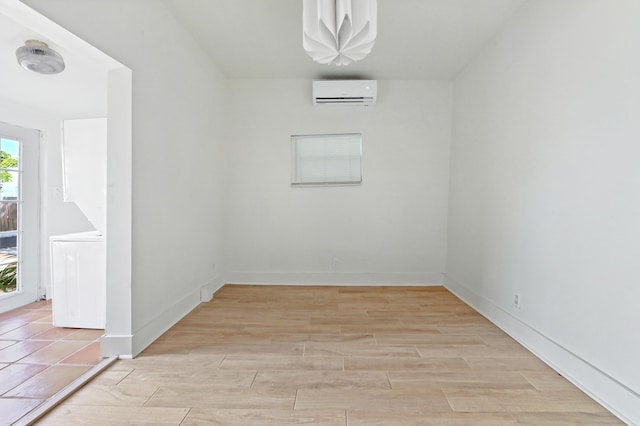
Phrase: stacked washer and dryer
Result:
[78,260]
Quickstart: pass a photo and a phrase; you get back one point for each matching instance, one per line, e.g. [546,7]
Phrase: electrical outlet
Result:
[516,300]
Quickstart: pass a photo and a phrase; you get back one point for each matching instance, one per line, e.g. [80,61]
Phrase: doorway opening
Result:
[93,85]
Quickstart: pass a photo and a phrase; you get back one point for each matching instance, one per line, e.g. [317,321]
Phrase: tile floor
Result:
[37,360]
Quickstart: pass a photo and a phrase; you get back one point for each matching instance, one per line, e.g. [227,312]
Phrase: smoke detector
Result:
[38,57]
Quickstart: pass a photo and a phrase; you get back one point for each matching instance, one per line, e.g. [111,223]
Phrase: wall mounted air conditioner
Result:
[345,92]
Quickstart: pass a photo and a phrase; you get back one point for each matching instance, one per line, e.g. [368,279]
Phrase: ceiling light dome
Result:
[38,57]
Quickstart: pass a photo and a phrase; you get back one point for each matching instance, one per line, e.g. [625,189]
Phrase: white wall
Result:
[391,228]
[178,100]
[56,216]
[545,195]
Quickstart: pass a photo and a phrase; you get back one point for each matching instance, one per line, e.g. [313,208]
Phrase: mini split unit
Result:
[345,92]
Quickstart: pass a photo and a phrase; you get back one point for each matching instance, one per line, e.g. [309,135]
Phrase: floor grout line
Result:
[254,379]
[144,404]
[295,400]
[388,380]
[185,416]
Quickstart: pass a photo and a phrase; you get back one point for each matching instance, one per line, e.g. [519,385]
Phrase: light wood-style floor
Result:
[270,355]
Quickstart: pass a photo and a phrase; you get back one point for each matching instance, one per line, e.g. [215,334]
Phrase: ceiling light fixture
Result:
[339,32]
[37,56]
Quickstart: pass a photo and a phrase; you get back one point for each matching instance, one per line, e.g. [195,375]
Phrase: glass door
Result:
[19,216]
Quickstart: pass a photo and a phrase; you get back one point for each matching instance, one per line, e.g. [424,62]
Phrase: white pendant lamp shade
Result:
[339,32]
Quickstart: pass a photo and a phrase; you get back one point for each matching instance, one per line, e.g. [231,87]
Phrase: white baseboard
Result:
[606,390]
[148,333]
[116,345]
[336,278]
[208,290]
[131,345]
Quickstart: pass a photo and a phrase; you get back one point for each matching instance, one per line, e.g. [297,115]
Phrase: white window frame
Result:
[351,161]
[28,286]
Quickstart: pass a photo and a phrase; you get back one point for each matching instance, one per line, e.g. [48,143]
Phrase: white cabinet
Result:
[78,280]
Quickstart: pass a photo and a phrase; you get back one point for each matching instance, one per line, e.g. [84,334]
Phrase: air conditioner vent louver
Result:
[343,100]
[345,92]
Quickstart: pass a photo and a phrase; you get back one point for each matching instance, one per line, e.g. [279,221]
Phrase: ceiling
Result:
[417,39]
[78,92]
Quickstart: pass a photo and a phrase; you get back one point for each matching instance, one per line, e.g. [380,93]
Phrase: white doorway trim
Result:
[118,338]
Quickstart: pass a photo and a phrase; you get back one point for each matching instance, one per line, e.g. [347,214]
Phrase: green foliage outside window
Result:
[7,162]
[8,277]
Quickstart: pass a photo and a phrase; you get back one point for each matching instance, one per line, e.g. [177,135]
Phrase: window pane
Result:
[8,264]
[9,154]
[327,159]
[8,217]
[8,273]
[9,185]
